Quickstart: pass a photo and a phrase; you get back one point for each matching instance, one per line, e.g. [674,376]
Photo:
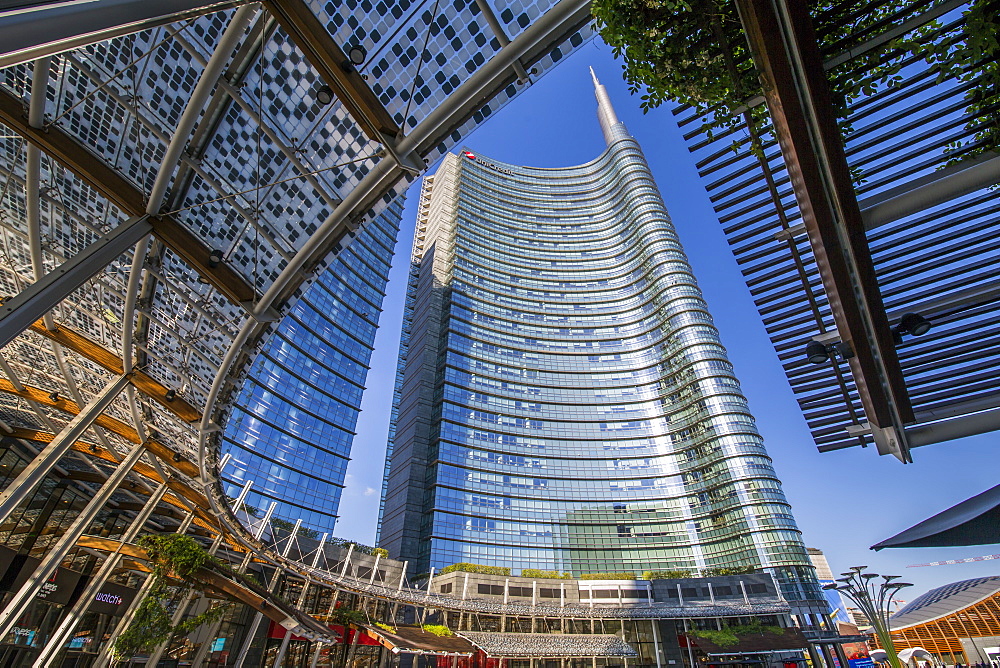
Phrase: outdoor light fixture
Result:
[913,324]
[170,395]
[357,55]
[874,600]
[54,396]
[324,95]
[214,258]
[177,457]
[818,352]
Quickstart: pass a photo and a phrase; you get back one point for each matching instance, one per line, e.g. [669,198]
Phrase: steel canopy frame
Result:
[799,102]
[113,348]
[75,157]
[34,30]
[550,29]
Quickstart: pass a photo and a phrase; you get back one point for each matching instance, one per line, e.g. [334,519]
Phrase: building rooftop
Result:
[945,600]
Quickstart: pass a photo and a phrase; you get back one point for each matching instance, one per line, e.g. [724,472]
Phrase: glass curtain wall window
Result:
[564,401]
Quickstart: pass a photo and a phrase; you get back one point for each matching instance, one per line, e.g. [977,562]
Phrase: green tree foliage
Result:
[728,636]
[690,51]
[666,575]
[171,557]
[304,532]
[728,570]
[970,54]
[465,567]
[438,630]
[380,551]
[608,576]
[538,573]
[694,52]
[348,616]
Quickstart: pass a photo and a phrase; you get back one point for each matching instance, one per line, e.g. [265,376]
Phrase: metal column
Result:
[302,599]
[182,609]
[61,635]
[35,472]
[123,623]
[17,313]
[26,595]
[270,589]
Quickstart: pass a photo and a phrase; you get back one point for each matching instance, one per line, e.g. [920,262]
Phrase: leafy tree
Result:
[694,52]
[466,567]
[666,575]
[171,557]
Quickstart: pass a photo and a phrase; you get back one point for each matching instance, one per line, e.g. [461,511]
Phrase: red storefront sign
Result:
[278,631]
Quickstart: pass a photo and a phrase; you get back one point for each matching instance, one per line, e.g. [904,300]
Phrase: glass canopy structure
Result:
[174,182]
[183,184]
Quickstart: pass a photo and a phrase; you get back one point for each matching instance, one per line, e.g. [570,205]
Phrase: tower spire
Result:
[605,112]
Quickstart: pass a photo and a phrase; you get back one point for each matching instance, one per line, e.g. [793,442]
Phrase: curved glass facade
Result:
[293,421]
[566,403]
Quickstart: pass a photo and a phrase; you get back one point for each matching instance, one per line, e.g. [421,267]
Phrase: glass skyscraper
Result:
[293,420]
[565,402]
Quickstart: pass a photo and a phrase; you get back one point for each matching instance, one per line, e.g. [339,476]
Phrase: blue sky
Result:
[843,501]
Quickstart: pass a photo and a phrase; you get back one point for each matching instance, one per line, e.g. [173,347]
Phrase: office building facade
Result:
[565,402]
[293,421]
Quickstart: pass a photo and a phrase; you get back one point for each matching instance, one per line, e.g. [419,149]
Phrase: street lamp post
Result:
[874,599]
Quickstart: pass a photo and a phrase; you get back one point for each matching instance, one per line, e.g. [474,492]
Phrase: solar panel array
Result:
[262,168]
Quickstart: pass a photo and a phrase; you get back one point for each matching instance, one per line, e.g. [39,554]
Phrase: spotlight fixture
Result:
[323,95]
[177,457]
[818,352]
[94,447]
[54,396]
[214,258]
[914,324]
[170,394]
[357,54]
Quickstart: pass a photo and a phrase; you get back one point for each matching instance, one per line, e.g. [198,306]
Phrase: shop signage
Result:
[57,589]
[112,599]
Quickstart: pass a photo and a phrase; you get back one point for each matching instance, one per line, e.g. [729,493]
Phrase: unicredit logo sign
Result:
[113,599]
[490,165]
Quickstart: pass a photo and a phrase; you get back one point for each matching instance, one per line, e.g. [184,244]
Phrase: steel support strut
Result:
[302,599]
[26,595]
[785,51]
[56,641]
[259,617]
[140,595]
[182,608]
[18,313]
[35,472]
[31,32]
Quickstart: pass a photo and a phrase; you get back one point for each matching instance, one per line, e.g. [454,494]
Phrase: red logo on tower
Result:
[470,156]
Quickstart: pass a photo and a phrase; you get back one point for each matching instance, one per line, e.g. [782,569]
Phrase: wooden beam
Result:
[165,454]
[257,598]
[813,151]
[194,499]
[77,158]
[96,353]
[334,67]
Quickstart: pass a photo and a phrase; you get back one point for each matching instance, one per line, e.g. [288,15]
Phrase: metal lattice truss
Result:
[840,263]
[174,174]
